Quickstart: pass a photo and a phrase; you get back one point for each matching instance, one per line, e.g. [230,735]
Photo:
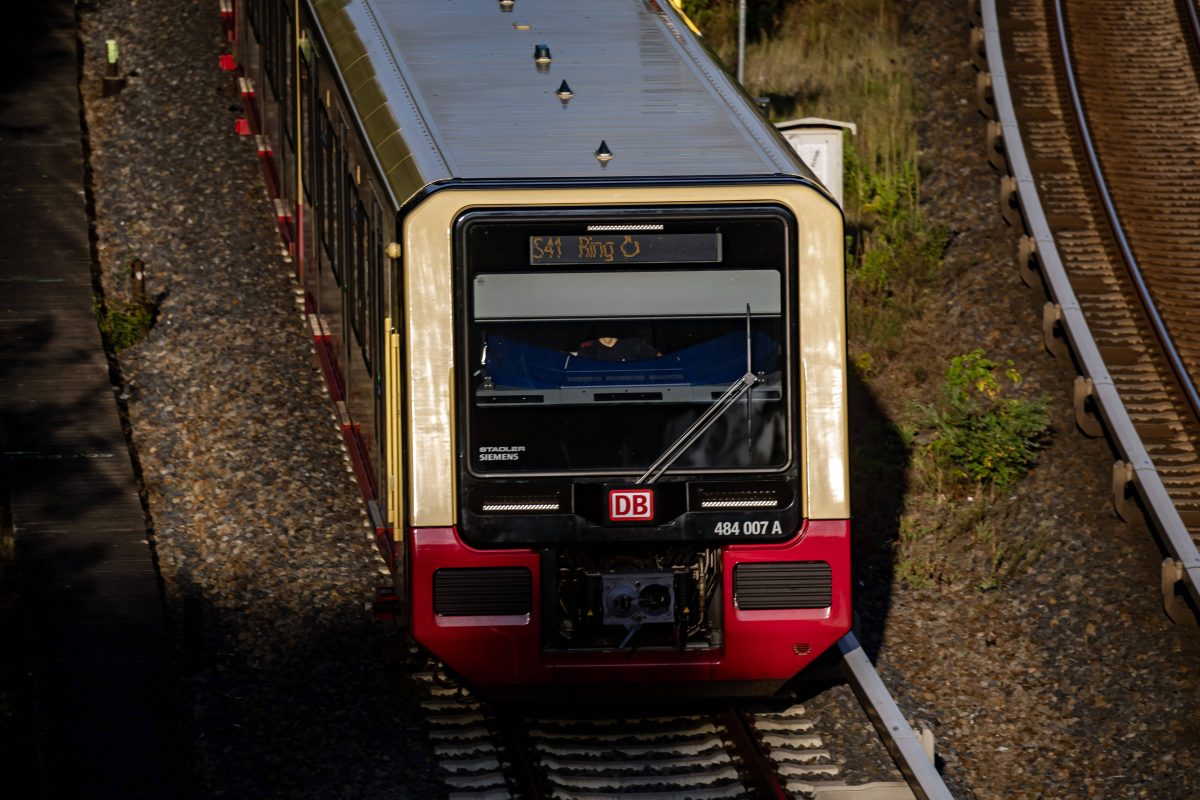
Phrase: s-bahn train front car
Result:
[587,343]
[635,471]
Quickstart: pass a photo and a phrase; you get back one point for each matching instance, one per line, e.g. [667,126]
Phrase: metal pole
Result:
[742,42]
[113,82]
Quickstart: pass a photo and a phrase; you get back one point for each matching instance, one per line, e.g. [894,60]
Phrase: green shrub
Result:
[979,433]
[123,326]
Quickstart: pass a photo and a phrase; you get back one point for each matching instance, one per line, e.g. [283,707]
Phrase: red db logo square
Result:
[631,505]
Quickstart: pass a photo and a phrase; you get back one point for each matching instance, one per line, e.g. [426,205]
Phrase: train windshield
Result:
[609,349]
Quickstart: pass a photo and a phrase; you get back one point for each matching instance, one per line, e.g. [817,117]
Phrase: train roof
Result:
[449,89]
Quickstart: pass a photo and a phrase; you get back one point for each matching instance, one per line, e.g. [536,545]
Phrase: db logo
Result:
[626,505]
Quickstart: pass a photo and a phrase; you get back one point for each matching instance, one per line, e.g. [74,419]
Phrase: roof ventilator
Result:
[564,93]
[603,154]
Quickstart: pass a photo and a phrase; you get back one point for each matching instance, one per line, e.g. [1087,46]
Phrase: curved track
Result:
[1096,106]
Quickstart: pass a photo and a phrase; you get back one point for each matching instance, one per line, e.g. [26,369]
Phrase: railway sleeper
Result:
[485,794]
[1045,165]
[1064,222]
[1037,113]
[720,793]
[723,778]
[877,790]
[1092,283]
[1156,433]
[1116,355]
[472,783]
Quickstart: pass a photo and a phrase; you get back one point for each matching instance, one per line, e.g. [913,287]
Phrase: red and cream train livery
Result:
[582,311]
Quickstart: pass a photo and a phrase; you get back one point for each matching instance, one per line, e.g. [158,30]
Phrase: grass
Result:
[843,59]
[123,325]
[847,60]
[1010,553]
[963,543]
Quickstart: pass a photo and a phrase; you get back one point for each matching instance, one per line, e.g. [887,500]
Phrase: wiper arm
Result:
[738,388]
[697,428]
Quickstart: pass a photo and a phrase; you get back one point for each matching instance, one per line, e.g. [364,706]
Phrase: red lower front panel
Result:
[767,645]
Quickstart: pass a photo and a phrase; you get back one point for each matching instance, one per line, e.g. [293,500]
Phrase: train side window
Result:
[279,38]
[345,213]
[287,68]
[325,142]
[374,284]
[332,209]
[395,288]
[271,25]
[362,256]
[308,99]
[352,218]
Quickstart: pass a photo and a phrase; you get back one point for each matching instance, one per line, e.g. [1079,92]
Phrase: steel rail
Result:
[523,772]
[1193,21]
[907,750]
[766,780]
[1158,503]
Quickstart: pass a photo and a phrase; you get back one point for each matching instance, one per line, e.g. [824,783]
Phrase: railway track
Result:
[1102,173]
[704,751]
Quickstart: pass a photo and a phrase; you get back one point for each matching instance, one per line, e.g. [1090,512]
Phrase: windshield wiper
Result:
[710,415]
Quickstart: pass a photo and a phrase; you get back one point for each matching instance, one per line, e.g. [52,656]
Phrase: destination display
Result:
[626,248]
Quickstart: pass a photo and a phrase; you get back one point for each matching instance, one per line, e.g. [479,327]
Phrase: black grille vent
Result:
[520,499]
[764,495]
[482,592]
[782,584]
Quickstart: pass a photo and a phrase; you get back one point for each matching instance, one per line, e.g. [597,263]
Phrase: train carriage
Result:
[582,312]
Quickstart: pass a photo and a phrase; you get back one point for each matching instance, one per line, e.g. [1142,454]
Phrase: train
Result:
[581,310]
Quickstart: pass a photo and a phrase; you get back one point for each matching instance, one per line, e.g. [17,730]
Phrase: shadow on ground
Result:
[878,485]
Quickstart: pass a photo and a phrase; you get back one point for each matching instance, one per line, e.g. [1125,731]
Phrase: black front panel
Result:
[594,342]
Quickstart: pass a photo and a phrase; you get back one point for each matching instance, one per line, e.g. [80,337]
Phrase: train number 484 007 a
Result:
[749,527]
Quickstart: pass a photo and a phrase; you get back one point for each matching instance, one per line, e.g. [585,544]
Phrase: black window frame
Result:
[634,215]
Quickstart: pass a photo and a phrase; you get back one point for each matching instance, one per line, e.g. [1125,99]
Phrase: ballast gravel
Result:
[263,547]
